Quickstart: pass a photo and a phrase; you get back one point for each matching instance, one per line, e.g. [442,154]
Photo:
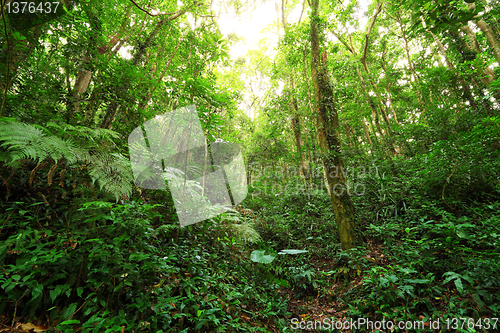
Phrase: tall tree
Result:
[328,129]
[293,107]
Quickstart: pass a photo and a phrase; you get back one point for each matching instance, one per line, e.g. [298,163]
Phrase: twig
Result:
[83,303]
[5,222]
[15,306]
[145,11]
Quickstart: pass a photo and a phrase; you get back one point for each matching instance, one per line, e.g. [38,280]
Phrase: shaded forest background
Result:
[372,159]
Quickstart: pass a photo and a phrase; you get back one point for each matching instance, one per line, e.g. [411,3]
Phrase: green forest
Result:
[358,150]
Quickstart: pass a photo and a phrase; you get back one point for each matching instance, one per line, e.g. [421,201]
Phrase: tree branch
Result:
[365,47]
[343,42]
[302,11]
[145,11]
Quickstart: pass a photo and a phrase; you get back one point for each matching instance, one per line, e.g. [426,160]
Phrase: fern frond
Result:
[111,171]
[85,134]
[241,229]
[24,139]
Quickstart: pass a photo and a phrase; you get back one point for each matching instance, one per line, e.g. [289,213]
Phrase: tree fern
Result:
[73,144]
[27,141]
[86,134]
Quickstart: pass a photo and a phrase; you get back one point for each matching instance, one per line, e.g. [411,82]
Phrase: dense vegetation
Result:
[372,161]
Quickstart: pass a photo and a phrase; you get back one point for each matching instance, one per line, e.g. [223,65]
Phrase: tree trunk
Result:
[84,74]
[18,50]
[465,87]
[295,124]
[367,133]
[348,135]
[144,103]
[490,37]
[407,49]
[15,51]
[489,75]
[351,49]
[414,74]
[138,58]
[370,102]
[367,70]
[327,127]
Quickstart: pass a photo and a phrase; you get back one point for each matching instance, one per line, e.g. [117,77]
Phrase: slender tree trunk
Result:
[367,70]
[490,37]
[407,49]
[295,124]
[84,74]
[463,47]
[348,135]
[367,133]
[351,49]
[15,52]
[489,75]
[295,120]
[327,127]
[370,101]
[144,103]
[138,58]
[110,114]
[374,131]
[465,87]
[414,74]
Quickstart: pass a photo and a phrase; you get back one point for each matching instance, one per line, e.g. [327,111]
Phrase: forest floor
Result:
[414,268]
[323,303]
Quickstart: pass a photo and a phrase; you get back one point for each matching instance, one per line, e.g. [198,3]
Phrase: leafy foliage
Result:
[417,94]
[70,148]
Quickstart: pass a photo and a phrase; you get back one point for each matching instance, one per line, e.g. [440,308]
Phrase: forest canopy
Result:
[369,136]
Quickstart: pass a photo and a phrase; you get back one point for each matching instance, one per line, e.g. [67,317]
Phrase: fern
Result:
[242,229]
[27,141]
[76,145]
[91,135]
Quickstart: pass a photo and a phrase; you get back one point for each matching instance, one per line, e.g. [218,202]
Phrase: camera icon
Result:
[171,151]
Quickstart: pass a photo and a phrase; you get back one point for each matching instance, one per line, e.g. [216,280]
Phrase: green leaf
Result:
[462,234]
[54,293]
[200,324]
[69,322]
[9,286]
[407,270]
[468,279]
[458,284]
[478,300]
[417,280]
[292,251]
[37,290]
[258,256]
[451,276]
[70,310]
